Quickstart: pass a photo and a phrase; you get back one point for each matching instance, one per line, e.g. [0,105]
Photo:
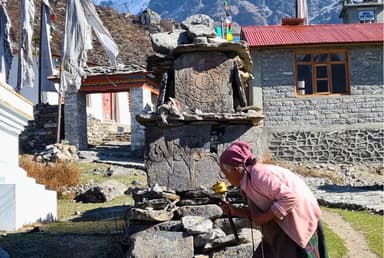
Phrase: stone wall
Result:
[345,145]
[323,128]
[75,118]
[41,131]
[141,100]
[365,105]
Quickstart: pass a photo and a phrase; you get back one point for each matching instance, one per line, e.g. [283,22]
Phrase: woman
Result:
[278,201]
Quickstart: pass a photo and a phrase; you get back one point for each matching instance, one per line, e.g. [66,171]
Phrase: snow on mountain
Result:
[255,12]
[124,6]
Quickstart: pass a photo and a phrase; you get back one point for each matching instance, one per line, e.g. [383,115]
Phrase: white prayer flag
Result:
[81,17]
[46,64]
[5,43]
[26,63]
[101,32]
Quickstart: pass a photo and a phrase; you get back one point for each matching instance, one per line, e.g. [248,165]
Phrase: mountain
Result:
[124,6]
[252,12]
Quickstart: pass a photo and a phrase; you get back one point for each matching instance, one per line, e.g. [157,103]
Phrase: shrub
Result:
[53,175]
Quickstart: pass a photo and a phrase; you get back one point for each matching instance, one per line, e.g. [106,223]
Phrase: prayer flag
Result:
[25,75]
[81,17]
[5,43]
[46,65]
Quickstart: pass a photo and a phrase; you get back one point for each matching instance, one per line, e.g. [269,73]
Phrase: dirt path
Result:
[354,241]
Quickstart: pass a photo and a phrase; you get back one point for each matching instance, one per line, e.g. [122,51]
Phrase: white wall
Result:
[123,116]
[95,105]
[22,201]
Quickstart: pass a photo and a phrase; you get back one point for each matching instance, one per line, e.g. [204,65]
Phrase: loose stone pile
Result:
[187,224]
[57,153]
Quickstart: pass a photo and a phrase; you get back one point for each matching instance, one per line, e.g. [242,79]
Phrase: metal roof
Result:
[284,35]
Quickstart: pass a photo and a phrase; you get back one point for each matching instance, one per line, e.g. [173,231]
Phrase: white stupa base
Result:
[22,200]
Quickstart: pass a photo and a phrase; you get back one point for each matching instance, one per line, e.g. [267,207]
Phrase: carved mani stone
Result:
[203,81]
[179,157]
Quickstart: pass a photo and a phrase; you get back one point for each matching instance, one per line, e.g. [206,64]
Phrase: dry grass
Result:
[53,175]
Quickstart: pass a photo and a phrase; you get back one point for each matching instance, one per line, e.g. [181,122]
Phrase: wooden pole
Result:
[40,51]
[58,131]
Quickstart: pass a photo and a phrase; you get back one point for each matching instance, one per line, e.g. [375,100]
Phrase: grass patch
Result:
[67,207]
[335,245]
[88,174]
[53,175]
[371,225]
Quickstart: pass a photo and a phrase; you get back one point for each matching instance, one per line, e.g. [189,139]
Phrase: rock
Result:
[198,19]
[102,192]
[234,251]
[199,30]
[224,224]
[246,235]
[165,42]
[161,244]
[200,240]
[150,215]
[210,211]
[200,227]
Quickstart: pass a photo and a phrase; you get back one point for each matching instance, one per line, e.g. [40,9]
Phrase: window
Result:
[321,72]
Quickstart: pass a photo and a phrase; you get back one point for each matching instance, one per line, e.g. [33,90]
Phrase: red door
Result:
[107,106]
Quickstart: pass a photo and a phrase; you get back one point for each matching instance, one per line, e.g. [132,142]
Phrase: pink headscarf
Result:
[238,154]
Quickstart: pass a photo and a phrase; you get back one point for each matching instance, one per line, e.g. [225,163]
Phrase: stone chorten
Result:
[202,106]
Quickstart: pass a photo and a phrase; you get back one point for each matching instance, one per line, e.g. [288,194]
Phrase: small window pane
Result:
[303,58]
[337,57]
[304,73]
[322,86]
[320,58]
[339,84]
[321,72]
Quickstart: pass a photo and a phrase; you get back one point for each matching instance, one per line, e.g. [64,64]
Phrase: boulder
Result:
[102,192]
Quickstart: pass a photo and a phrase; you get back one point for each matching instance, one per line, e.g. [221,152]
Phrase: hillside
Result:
[131,37]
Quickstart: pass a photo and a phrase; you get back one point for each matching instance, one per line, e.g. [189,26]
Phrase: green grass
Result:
[371,225]
[68,208]
[335,245]
[87,174]
[84,227]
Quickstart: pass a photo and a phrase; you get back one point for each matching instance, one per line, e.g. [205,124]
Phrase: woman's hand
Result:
[227,208]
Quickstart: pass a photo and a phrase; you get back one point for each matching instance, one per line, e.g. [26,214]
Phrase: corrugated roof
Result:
[282,35]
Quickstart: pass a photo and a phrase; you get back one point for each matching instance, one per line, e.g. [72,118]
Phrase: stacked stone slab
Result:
[169,223]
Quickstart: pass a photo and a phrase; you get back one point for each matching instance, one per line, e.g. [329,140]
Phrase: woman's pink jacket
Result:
[289,198]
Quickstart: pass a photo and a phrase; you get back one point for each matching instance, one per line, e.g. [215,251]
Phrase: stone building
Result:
[362,11]
[321,89]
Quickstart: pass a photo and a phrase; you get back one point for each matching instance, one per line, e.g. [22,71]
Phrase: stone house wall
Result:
[305,120]
[42,130]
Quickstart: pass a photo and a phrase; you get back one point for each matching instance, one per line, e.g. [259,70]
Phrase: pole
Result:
[58,131]
[40,50]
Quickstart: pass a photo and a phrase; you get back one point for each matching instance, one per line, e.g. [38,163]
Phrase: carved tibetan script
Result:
[203,81]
